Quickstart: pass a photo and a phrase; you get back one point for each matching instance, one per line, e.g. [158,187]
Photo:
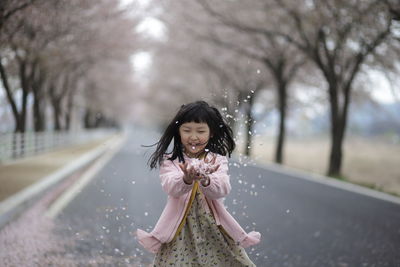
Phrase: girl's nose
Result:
[193,137]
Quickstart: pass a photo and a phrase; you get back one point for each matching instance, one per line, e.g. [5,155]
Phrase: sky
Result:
[383,92]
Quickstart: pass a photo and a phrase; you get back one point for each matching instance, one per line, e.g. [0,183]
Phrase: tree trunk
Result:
[338,127]
[38,104]
[249,125]
[38,114]
[55,104]
[10,98]
[57,95]
[25,92]
[88,119]
[68,112]
[335,158]
[98,120]
[57,115]
[282,97]
[283,74]
[232,122]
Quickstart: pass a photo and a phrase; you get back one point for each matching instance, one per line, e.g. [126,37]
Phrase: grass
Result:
[371,163]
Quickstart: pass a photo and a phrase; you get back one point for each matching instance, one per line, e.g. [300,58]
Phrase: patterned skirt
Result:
[201,242]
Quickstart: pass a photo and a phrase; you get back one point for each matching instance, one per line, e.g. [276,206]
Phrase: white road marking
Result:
[69,194]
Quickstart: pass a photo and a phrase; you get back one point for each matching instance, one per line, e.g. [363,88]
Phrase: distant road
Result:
[303,223]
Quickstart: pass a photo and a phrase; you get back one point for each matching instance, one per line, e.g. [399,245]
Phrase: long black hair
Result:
[221,135]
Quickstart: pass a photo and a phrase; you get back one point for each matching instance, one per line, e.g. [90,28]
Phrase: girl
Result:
[194,228]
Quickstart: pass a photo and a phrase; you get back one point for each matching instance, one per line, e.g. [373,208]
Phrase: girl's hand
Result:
[211,168]
[211,162]
[190,174]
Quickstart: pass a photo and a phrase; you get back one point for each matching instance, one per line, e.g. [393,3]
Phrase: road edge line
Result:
[322,179]
[72,191]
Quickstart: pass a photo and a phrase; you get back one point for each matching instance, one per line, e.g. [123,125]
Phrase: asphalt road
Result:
[303,223]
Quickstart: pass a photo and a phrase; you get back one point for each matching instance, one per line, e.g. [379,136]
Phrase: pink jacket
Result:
[178,198]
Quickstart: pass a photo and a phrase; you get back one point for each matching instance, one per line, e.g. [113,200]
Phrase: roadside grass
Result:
[372,163]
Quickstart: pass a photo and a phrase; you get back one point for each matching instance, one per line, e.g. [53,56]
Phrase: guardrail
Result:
[19,145]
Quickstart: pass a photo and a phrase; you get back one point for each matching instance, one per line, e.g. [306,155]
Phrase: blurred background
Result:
[308,84]
[305,84]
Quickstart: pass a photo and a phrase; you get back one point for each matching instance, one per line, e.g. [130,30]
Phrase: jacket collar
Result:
[186,157]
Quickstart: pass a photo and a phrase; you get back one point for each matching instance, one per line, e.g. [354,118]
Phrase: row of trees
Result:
[68,55]
[237,49]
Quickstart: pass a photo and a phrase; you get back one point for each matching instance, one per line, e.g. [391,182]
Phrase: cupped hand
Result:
[211,165]
[189,173]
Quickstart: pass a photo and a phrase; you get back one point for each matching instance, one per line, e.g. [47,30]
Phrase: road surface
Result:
[303,223]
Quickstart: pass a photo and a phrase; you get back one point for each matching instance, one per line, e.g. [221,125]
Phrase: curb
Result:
[319,178]
[77,186]
[13,206]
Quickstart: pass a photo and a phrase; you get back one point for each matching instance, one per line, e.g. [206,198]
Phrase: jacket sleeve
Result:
[172,179]
[219,181]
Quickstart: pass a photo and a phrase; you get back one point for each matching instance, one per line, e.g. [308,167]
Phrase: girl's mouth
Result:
[193,146]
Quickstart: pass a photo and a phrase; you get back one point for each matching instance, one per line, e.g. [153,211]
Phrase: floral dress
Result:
[201,242]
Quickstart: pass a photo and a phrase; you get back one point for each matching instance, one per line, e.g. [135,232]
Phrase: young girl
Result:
[194,228]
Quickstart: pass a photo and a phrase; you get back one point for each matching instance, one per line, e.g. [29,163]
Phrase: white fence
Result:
[19,145]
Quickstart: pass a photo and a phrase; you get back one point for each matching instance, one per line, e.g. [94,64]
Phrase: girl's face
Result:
[194,137]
